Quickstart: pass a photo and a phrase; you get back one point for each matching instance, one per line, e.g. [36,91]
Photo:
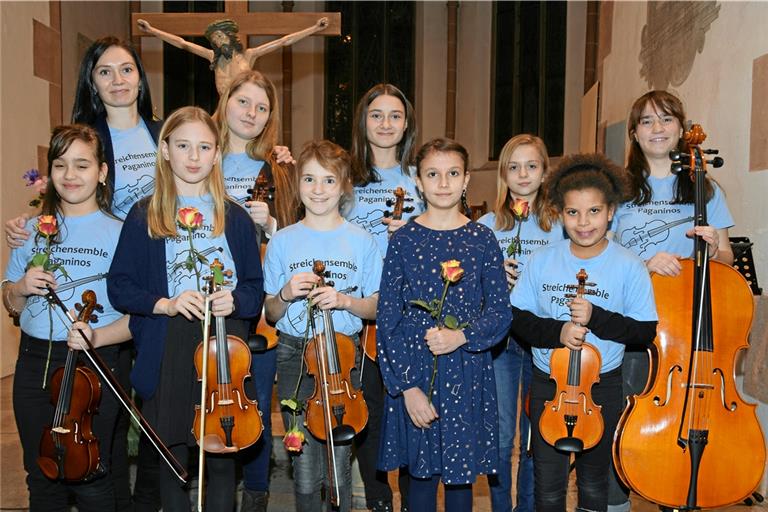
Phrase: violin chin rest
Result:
[569,444]
[257,343]
[343,434]
[214,444]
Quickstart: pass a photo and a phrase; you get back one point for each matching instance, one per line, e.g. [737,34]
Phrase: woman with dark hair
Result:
[383,136]
[656,223]
[113,97]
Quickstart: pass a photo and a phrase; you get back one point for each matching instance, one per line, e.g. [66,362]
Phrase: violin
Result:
[336,411]
[120,394]
[265,336]
[689,440]
[68,449]
[369,327]
[229,420]
[262,190]
[571,421]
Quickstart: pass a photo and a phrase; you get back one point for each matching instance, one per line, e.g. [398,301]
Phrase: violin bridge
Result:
[60,430]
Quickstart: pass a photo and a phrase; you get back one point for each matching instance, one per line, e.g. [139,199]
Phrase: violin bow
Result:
[106,374]
[203,396]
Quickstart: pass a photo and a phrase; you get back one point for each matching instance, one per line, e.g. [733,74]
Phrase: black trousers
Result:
[34,411]
[551,467]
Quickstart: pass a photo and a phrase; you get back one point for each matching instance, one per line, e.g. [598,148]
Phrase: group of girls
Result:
[442,396]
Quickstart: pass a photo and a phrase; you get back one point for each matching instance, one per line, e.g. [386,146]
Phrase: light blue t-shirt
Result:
[86,250]
[622,286]
[370,203]
[177,250]
[135,159]
[532,237]
[350,256]
[240,173]
[659,226]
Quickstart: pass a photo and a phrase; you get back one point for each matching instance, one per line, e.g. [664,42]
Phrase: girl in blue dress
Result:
[452,434]
[523,164]
[78,198]
[149,280]
[619,310]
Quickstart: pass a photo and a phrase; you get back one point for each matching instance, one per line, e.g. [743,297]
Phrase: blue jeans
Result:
[256,458]
[512,366]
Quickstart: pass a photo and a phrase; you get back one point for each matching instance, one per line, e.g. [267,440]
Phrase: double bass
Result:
[571,421]
[336,411]
[369,326]
[690,441]
[69,450]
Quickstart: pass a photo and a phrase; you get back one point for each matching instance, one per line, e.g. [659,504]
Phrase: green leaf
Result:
[512,249]
[202,259]
[422,304]
[39,260]
[291,404]
[463,325]
[451,322]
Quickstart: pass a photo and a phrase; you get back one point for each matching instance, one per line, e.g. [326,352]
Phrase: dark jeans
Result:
[310,467]
[33,410]
[635,370]
[120,473]
[256,458]
[422,496]
[551,467]
[512,366]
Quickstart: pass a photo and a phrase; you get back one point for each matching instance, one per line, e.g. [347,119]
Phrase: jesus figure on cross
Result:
[227,57]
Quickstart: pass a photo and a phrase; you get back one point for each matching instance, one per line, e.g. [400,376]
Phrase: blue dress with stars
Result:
[462,443]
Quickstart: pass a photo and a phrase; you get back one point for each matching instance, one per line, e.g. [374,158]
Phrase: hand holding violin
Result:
[299,286]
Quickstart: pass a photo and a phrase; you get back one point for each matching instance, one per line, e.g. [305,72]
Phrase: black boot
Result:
[254,501]
[382,506]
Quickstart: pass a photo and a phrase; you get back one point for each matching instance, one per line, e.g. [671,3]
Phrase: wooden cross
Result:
[250,24]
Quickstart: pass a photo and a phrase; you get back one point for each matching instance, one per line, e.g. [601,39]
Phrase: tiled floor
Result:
[13,495]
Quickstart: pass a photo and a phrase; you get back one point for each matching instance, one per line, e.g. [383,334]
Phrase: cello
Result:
[369,326]
[336,411]
[571,421]
[69,450]
[689,440]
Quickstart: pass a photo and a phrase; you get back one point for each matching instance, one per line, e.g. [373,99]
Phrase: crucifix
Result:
[227,56]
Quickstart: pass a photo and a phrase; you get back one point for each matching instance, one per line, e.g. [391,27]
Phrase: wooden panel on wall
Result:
[758,132]
[46,63]
[588,131]
[42,160]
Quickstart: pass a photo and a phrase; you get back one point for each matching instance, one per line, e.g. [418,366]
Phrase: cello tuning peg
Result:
[249,191]
[590,284]
[330,283]
[408,209]
[389,202]
[387,214]
[570,295]
[677,168]
[716,162]
[675,155]
[711,151]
